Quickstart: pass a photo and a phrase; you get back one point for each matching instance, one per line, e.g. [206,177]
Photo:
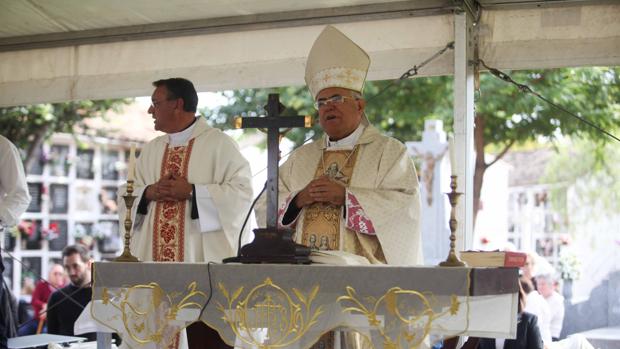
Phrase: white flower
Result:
[569,265]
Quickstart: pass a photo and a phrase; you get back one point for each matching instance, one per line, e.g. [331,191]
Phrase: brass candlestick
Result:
[126,256]
[453,260]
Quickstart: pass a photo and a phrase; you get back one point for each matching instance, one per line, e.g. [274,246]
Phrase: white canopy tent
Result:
[64,50]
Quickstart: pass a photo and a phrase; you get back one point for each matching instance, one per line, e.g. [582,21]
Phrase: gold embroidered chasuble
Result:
[323,223]
[169,226]
[384,182]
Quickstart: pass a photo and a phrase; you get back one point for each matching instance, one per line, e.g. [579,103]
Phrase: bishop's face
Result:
[339,117]
[163,109]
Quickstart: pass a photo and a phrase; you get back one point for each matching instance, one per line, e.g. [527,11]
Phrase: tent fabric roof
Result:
[62,50]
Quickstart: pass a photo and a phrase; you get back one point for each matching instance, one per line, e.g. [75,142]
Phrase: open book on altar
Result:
[337,258]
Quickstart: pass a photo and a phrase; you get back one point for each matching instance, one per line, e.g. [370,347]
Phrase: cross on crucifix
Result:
[273,122]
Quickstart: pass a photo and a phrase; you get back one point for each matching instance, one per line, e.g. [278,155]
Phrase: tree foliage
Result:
[29,126]
[505,116]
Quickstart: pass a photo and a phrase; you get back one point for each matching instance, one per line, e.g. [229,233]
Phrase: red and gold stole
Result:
[169,227]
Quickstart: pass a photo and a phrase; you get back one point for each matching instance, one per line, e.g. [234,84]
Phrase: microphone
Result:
[237,258]
[269,245]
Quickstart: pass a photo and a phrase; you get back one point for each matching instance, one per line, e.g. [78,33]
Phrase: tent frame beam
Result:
[400,9]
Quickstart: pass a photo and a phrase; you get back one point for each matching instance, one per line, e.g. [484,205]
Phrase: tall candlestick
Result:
[452,155]
[453,260]
[131,168]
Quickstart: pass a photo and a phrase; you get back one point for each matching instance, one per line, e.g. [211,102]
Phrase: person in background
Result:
[527,270]
[40,296]
[25,313]
[546,287]
[528,332]
[66,304]
[536,304]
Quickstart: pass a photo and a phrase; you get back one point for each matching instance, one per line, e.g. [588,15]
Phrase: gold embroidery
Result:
[269,306]
[147,311]
[321,227]
[403,318]
[169,225]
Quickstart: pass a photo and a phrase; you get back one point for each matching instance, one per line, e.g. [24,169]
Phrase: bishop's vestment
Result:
[380,219]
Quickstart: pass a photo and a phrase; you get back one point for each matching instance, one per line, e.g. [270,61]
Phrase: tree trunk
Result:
[481,166]
[36,142]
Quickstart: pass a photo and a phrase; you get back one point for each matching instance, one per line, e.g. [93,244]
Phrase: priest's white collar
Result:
[347,142]
[181,137]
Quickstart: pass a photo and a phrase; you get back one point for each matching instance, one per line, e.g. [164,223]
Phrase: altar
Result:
[291,306]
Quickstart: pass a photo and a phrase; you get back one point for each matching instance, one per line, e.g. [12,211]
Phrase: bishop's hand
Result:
[327,190]
[303,198]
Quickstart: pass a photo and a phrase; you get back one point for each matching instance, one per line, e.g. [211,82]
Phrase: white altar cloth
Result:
[291,306]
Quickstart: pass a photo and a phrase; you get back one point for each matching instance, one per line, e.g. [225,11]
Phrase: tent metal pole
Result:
[464,35]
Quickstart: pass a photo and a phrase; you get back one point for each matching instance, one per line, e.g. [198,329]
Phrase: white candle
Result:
[452,154]
[131,168]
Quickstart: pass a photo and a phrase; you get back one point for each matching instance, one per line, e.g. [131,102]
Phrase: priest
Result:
[354,189]
[192,184]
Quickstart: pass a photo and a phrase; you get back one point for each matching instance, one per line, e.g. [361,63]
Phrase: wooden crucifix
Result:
[273,122]
[271,244]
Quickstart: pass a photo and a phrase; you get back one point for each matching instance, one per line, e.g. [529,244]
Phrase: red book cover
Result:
[514,259]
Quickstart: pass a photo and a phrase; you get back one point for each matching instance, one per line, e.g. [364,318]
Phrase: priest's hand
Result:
[152,192]
[324,189]
[174,188]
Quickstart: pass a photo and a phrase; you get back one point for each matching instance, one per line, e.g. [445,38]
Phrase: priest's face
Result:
[163,109]
[340,111]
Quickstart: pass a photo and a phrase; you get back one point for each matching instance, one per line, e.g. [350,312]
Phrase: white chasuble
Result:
[380,219]
[211,162]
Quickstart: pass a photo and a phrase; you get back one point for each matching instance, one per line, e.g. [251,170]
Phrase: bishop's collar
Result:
[347,142]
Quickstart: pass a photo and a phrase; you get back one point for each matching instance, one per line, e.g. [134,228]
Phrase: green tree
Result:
[399,110]
[504,117]
[29,126]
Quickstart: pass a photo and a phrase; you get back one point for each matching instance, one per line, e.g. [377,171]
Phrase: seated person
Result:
[546,288]
[42,292]
[66,304]
[25,314]
[536,304]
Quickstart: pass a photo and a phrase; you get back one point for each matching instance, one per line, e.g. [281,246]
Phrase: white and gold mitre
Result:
[335,61]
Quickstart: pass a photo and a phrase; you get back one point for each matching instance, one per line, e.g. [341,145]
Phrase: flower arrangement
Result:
[86,234]
[569,265]
[50,233]
[25,229]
